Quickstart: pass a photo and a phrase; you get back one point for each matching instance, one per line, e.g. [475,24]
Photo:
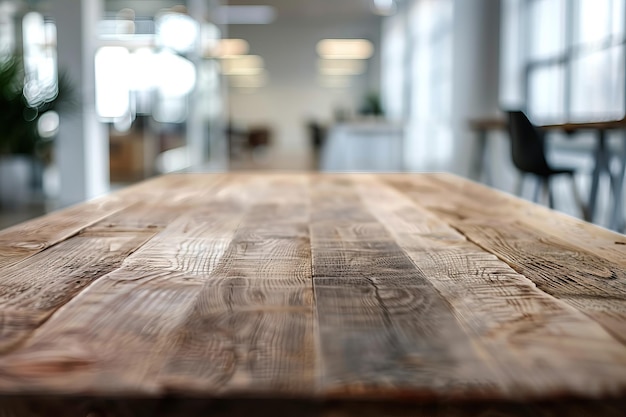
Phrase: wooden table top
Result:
[500,123]
[311,294]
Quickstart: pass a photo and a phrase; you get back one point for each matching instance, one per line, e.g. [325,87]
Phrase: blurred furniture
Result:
[259,136]
[602,159]
[480,168]
[126,157]
[528,154]
[317,135]
[241,139]
[317,138]
[602,166]
[375,146]
[282,295]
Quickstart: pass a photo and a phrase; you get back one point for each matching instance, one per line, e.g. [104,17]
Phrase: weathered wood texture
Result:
[333,295]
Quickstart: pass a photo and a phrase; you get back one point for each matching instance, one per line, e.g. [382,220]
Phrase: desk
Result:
[602,165]
[601,156]
[480,164]
[311,294]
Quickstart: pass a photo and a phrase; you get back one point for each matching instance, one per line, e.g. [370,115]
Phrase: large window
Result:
[430,132]
[393,73]
[566,57]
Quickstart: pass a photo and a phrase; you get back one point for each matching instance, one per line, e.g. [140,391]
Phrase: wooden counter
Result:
[311,294]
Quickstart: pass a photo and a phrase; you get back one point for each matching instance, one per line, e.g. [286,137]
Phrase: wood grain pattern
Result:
[134,309]
[250,329]
[315,295]
[23,240]
[450,199]
[389,330]
[35,288]
[26,239]
[507,316]
[580,264]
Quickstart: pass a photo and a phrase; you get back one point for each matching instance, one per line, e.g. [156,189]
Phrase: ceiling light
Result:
[340,66]
[384,7]
[245,15]
[231,48]
[345,48]
[177,31]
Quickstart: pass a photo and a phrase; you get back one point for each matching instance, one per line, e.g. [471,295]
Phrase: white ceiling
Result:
[316,9]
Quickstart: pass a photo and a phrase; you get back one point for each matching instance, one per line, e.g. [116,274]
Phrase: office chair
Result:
[529,157]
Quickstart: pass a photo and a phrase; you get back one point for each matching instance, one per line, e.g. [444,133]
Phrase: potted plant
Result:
[23,150]
[371,105]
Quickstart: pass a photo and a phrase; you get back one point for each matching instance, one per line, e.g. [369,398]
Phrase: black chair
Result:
[529,157]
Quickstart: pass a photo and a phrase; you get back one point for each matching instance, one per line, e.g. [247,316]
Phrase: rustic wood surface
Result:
[311,294]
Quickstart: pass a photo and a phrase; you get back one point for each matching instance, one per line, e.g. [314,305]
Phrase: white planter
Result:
[16,172]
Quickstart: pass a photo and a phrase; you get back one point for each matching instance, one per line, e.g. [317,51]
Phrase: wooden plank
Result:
[251,328]
[35,288]
[21,241]
[585,266]
[108,339]
[517,327]
[176,189]
[142,216]
[453,197]
[26,239]
[181,328]
[112,337]
[384,329]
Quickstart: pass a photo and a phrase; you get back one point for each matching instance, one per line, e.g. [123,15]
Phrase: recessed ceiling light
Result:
[177,31]
[245,15]
[345,48]
[384,7]
[231,48]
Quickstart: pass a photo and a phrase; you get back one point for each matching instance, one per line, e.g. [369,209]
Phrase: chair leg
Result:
[584,209]
[548,190]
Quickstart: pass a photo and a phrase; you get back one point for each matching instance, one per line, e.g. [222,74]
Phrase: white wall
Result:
[293,96]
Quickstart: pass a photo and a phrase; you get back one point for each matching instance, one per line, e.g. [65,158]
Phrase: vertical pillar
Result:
[205,131]
[476,63]
[82,147]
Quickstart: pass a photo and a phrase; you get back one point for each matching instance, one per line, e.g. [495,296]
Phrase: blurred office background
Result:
[110,92]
